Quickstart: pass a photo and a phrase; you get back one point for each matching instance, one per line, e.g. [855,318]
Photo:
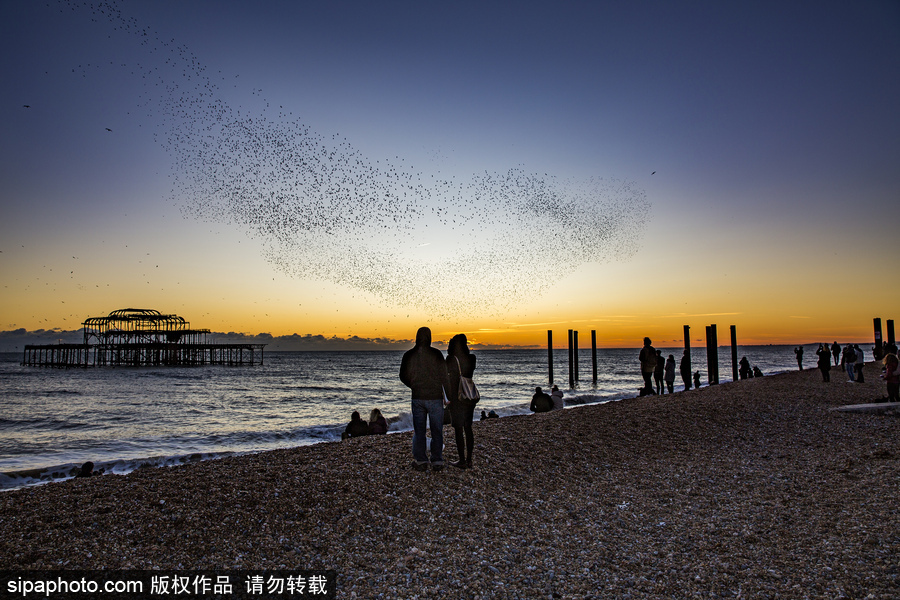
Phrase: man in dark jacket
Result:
[424,371]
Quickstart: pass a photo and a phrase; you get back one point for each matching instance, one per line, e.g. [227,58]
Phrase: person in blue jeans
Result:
[424,371]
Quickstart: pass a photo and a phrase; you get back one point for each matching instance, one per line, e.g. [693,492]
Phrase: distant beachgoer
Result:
[836,351]
[892,377]
[697,380]
[87,469]
[824,354]
[423,370]
[670,374]
[648,364]
[377,423]
[849,361]
[685,367]
[757,372]
[461,363]
[799,352]
[483,416]
[356,427]
[541,401]
[557,396]
[493,415]
[659,371]
[744,369]
[860,363]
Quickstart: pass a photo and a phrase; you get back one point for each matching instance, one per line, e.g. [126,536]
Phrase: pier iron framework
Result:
[136,337]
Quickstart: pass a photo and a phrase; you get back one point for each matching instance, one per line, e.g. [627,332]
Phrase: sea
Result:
[126,418]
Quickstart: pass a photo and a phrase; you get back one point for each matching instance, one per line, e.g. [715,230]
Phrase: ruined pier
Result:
[141,338]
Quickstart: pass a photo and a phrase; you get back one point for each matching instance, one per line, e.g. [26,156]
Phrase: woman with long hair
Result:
[461,362]
[377,422]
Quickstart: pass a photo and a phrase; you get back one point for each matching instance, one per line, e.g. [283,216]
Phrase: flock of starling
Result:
[325,211]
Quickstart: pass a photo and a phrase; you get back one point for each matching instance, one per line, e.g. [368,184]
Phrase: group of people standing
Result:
[851,359]
[659,370]
[435,385]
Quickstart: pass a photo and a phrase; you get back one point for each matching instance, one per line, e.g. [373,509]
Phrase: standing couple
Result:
[434,379]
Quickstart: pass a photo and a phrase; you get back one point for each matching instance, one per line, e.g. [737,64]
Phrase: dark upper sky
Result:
[770,127]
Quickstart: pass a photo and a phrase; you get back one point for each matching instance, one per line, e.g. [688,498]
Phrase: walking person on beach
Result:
[824,354]
[685,368]
[423,370]
[849,361]
[659,371]
[648,364]
[799,352]
[461,363]
[670,374]
[836,351]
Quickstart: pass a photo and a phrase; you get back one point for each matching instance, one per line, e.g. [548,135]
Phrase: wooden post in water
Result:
[550,353]
[594,354]
[712,354]
[734,359]
[571,364]
[890,331]
[708,355]
[715,334]
[878,347]
[575,354]
[687,354]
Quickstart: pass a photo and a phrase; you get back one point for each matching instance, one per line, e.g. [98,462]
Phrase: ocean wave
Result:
[12,480]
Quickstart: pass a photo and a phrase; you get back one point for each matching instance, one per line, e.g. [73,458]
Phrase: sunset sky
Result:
[748,155]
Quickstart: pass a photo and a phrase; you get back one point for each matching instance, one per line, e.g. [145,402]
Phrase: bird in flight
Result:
[108,129]
[26,106]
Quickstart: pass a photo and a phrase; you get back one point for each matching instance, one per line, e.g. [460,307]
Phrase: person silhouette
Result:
[423,370]
[461,363]
[647,357]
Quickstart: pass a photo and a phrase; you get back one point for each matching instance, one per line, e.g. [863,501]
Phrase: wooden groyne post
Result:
[712,354]
[571,363]
[575,353]
[687,351]
[878,347]
[892,341]
[594,354]
[550,353]
[734,358]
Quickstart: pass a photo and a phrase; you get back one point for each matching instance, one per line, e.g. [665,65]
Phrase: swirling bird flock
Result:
[325,211]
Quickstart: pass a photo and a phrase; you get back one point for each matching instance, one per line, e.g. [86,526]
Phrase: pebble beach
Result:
[751,489]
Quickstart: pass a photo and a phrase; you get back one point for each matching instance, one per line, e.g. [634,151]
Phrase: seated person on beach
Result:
[87,470]
[557,396]
[356,427]
[541,401]
[493,415]
[745,370]
[757,372]
[697,379]
[377,423]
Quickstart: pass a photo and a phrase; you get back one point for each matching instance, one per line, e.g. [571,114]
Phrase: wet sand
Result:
[753,489]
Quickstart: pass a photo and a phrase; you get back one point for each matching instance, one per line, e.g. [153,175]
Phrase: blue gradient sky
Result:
[772,128]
